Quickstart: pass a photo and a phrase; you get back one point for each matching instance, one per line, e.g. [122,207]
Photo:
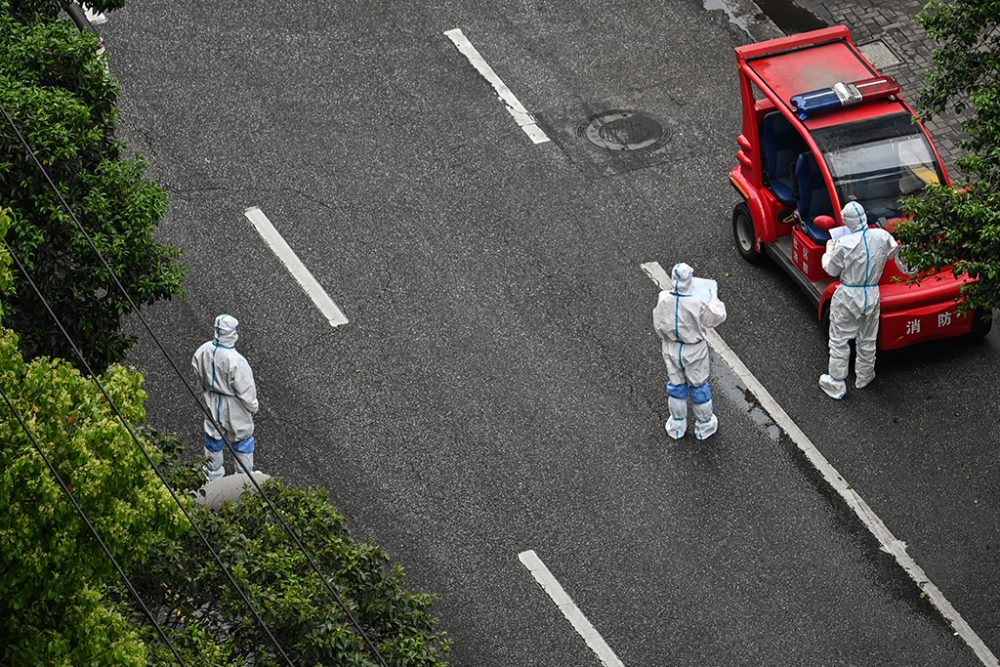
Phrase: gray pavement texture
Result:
[499,387]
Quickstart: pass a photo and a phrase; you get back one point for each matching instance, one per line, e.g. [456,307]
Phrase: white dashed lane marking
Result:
[524,119]
[295,266]
[868,517]
[569,609]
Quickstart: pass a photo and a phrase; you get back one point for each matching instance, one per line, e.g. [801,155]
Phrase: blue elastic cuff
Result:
[701,394]
[245,446]
[677,390]
[214,444]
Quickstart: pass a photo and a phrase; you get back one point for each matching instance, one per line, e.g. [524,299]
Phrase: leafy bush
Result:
[62,98]
[44,10]
[960,227]
[60,592]
[62,602]
[291,598]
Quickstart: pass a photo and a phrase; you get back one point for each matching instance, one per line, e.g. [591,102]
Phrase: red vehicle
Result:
[821,126]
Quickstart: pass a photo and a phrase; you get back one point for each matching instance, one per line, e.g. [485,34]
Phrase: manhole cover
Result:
[624,131]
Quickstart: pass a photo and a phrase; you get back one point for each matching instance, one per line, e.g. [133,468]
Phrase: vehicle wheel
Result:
[982,322]
[746,240]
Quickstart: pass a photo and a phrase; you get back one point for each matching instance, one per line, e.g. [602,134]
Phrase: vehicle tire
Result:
[982,322]
[743,234]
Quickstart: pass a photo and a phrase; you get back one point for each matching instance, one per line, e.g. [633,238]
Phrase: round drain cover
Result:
[624,131]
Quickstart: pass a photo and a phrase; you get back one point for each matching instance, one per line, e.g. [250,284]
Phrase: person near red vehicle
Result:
[821,124]
[857,258]
[681,318]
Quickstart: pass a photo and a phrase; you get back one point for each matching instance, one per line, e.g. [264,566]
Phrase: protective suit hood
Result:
[227,330]
[854,216]
[681,274]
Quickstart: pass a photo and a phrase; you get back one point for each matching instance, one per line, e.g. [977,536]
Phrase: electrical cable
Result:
[135,309]
[145,453]
[90,525]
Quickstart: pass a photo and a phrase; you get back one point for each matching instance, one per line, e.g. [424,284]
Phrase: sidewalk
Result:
[891,38]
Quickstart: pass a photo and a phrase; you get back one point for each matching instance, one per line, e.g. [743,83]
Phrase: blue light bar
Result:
[842,94]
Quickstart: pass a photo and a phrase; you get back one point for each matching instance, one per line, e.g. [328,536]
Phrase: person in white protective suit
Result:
[230,396]
[681,318]
[857,258]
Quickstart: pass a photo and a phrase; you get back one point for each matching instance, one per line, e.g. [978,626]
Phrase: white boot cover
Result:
[247,459]
[706,423]
[835,389]
[213,468]
[677,424]
[705,430]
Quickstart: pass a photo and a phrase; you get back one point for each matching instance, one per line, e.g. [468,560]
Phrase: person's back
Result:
[226,373]
[859,258]
[683,318]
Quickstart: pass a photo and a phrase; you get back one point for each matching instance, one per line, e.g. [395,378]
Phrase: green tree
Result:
[308,623]
[62,599]
[30,10]
[960,227]
[62,99]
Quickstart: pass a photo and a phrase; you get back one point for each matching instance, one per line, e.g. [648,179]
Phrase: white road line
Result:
[295,266]
[868,517]
[656,274]
[569,609]
[524,119]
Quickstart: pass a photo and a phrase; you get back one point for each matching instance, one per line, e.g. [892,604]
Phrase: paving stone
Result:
[893,22]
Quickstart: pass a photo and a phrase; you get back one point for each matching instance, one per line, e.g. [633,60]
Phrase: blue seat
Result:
[814,198]
[781,144]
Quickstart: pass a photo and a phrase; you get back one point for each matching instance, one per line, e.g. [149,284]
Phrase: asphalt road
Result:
[499,387]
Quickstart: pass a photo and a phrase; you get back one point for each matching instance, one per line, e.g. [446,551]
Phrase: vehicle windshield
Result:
[878,162]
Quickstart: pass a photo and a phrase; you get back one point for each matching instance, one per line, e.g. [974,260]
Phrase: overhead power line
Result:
[135,309]
[145,453]
[83,515]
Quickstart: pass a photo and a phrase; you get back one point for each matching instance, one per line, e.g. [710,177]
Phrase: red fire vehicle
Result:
[821,126]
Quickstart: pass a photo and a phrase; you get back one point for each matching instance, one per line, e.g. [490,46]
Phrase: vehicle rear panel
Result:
[921,312]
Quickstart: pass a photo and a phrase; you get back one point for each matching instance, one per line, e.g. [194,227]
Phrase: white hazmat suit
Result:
[681,318]
[230,396]
[857,258]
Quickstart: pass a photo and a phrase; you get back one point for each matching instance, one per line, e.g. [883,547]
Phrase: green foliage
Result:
[6,279]
[42,10]
[288,594]
[961,227]
[62,602]
[60,592]
[63,100]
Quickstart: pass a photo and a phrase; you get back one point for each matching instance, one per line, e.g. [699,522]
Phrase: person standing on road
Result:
[230,396]
[681,319]
[857,258]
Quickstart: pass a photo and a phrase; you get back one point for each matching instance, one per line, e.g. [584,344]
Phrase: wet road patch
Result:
[608,139]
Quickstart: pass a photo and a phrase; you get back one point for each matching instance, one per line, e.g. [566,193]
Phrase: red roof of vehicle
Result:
[803,63]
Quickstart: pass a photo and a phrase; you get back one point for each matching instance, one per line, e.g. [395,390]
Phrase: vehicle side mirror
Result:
[824,222]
